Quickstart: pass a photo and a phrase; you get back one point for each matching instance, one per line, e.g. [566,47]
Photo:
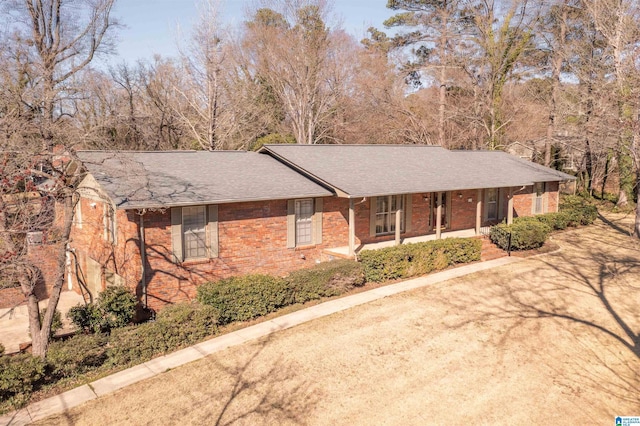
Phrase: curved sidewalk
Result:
[106,385]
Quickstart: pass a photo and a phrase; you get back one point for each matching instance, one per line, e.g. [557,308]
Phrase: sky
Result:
[153,26]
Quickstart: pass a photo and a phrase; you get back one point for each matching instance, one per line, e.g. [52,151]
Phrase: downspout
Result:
[521,189]
[143,258]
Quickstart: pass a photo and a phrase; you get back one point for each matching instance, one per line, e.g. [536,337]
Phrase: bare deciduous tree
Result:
[51,42]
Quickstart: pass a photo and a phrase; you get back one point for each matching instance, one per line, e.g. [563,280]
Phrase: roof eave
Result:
[133,206]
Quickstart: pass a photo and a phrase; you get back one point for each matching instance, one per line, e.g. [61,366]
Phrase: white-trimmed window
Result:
[304,222]
[538,206]
[194,232]
[386,208]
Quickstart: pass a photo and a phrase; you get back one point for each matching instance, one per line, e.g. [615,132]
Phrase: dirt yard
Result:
[550,340]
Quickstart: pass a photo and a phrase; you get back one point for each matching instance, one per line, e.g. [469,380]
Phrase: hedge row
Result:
[174,327]
[528,233]
[409,260]
[250,296]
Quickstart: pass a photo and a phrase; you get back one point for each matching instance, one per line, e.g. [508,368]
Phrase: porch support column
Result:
[478,211]
[352,228]
[510,207]
[439,217]
[398,213]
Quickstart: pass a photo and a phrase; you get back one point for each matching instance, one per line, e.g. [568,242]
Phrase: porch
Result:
[343,252]
[414,218]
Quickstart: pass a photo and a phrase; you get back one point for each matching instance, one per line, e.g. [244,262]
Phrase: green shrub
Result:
[555,221]
[578,210]
[1,349]
[526,234]
[385,264]
[18,376]
[85,317]
[118,305]
[115,307]
[175,327]
[409,260]
[325,280]
[246,297]
[77,355]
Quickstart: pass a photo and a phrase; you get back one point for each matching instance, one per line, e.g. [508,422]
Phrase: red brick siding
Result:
[523,200]
[252,239]
[463,211]
[10,297]
[122,258]
[45,258]
[553,197]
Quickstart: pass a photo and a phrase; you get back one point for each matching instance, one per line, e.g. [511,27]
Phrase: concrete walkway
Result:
[106,385]
[14,322]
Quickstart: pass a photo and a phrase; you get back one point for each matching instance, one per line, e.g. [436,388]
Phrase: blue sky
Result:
[151,26]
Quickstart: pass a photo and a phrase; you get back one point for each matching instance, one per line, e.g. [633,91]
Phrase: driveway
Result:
[546,340]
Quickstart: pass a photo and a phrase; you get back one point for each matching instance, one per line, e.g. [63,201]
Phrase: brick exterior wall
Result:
[523,200]
[463,212]
[10,297]
[88,241]
[252,239]
[44,258]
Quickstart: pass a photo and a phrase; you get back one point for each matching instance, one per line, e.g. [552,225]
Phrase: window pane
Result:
[492,210]
[386,208]
[194,232]
[304,221]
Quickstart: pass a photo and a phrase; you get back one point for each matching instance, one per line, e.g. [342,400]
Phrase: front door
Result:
[443,213]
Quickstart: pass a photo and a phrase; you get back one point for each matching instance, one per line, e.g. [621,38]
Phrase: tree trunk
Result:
[39,346]
[40,332]
[555,88]
[589,168]
[625,171]
[636,230]
[443,79]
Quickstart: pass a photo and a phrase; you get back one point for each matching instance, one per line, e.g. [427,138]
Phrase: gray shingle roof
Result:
[172,178]
[370,170]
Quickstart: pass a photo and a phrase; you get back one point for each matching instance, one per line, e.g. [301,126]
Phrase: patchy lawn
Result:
[550,339]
